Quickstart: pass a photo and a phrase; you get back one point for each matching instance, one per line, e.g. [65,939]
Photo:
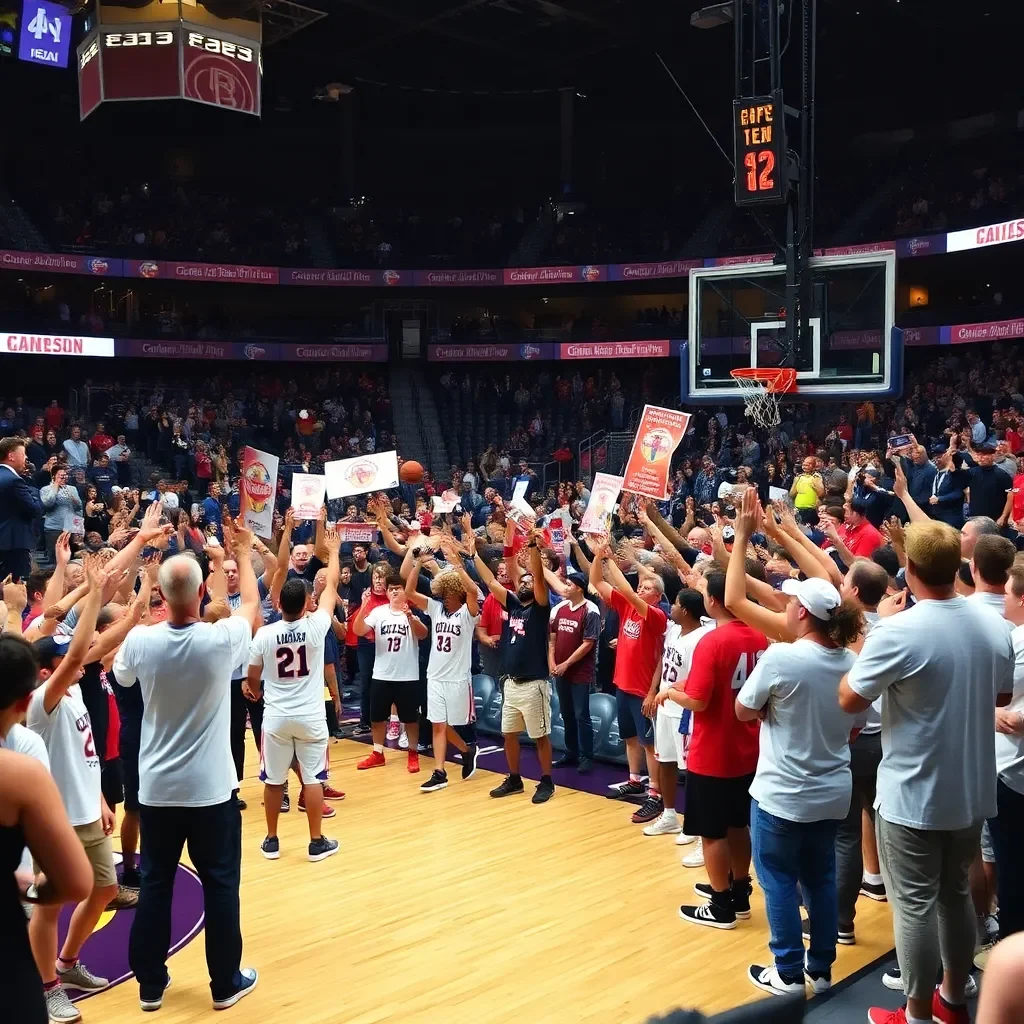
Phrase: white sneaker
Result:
[667,824]
[403,740]
[695,859]
[684,840]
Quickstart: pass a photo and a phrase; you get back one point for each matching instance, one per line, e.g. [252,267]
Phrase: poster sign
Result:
[357,533]
[258,486]
[604,492]
[650,461]
[361,474]
[308,491]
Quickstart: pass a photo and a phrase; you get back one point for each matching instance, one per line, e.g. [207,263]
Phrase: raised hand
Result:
[896,532]
[62,549]
[749,514]
[15,596]
[242,540]
[899,481]
[332,539]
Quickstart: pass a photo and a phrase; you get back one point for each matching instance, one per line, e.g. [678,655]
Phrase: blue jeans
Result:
[791,858]
[574,703]
[214,837]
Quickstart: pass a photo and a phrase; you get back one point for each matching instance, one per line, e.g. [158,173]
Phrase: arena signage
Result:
[56,345]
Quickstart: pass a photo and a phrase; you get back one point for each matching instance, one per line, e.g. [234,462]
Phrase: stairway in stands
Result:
[417,423]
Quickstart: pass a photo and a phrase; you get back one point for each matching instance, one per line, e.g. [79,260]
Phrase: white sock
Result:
[394,718]
[873,880]
[378,748]
[669,813]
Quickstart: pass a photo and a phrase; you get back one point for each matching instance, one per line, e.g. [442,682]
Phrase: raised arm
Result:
[412,578]
[284,547]
[485,574]
[329,598]
[247,588]
[597,581]
[810,559]
[619,582]
[216,582]
[55,585]
[915,513]
[14,602]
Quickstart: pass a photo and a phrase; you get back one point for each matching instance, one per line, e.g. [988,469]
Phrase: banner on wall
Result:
[604,493]
[308,491]
[378,472]
[56,345]
[259,487]
[650,461]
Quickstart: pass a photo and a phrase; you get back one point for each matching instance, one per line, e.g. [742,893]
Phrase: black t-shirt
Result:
[524,639]
[360,582]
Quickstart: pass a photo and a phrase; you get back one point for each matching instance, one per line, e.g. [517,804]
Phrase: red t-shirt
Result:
[1014,440]
[1018,497]
[639,647]
[720,744]
[492,615]
[53,416]
[100,443]
[863,540]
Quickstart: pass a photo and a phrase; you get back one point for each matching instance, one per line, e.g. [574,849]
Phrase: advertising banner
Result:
[56,345]
[526,352]
[347,278]
[615,349]
[254,351]
[308,491]
[554,275]
[650,461]
[236,273]
[361,474]
[456,278]
[357,533]
[990,234]
[60,263]
[604,493]
[648,271]
[994,330]
[45,34]
[258,488]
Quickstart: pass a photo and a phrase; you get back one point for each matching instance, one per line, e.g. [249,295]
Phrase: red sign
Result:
[614,349]
[657,437]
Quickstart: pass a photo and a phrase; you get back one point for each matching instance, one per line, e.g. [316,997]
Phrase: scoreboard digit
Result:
[759,138]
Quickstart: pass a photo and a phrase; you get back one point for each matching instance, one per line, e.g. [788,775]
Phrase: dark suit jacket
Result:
[20,511]
[950,492]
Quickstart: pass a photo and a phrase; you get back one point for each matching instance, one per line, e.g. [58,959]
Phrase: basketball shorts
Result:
[669,744]
[305,740]
[714,805]
[450,702]
[526,705]
[405,694]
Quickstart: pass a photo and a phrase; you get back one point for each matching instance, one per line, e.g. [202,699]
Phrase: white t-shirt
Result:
[997,602]
[939,668]
[1010,749]
[74,763]
[451,643]
[676,660]
[396,650]
[872,718]
[25,741]
[292,656]
[803,771]
[185,676]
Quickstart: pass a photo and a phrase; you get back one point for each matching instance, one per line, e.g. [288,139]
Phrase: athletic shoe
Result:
[82,978]
[565,761]
[739,896]
[375,759]
[666,825]
[59,1008]
[768,979]
[948,1013]
[509,786]
[585,767]
[438,780]
[845,936]
[991,927]
[873,891]
[981,957]
[684,840]
[544,792]
[621,790]
[695,858]
[127,898]
[413,764]
[710,915]
[330,793]
[469,761]
[271,848]
[820,981]
[327,811]
[154,1003]
[361,730]
[880,1015]
[394,729]
[425,748]
[893,979]
[971,987]
[249,978]
[338,733]
[240,803]
[322,848]
[403,740]
[650,809]
[286,804]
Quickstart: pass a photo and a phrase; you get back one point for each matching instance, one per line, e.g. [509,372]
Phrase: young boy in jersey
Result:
[454,612]
[396,668]
[289,657]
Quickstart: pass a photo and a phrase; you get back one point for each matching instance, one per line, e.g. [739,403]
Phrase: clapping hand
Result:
[15,596]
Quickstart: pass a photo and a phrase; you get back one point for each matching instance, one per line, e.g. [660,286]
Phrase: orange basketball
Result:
[411,473]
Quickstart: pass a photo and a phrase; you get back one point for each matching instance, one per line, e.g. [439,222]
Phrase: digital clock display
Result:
[759,136]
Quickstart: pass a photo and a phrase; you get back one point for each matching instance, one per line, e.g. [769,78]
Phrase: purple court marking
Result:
[105,952]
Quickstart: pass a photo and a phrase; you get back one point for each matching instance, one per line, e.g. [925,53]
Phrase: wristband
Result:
[507,552]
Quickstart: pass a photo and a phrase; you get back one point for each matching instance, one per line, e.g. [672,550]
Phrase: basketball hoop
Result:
[762,388]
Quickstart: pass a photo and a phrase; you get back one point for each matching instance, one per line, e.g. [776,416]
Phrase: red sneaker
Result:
[375,759]
[327,812]
[330,793]
[414,762]
[948,1013]
[880,1015]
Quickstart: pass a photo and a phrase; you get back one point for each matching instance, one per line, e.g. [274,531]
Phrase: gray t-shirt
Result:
[803,771]
[939,668]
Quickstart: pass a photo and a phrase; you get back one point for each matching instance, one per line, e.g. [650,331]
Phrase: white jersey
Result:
[451,642]
[74,763]
[396,649]
[677,658]
[292,656]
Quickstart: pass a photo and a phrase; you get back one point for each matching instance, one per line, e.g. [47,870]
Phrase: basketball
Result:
[411,473]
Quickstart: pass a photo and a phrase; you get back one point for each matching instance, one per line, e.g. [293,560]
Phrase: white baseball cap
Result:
[819,597]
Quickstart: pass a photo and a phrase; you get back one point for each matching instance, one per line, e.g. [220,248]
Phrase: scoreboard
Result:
[759,147]
[143,53]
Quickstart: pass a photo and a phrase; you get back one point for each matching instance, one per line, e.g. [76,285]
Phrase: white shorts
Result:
[450,702]
[301,739]
[669,743]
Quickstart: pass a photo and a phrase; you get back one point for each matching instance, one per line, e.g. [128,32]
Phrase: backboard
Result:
[737,318]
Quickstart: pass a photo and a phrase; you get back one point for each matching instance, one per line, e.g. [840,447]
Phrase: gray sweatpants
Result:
[925,876]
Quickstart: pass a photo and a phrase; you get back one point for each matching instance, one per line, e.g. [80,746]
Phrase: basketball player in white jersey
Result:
[454,613]
[289,658]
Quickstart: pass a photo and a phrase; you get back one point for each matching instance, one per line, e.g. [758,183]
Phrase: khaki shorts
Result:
[527,705]
[99,850]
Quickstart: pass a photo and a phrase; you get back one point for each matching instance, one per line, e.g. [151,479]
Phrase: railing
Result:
[589,454]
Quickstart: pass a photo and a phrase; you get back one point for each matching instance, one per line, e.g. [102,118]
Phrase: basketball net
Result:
[762,390]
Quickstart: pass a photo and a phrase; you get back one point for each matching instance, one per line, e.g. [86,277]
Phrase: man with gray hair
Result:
[975,527]
[186,775]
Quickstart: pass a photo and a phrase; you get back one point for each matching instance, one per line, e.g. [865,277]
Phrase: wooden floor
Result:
[452,905]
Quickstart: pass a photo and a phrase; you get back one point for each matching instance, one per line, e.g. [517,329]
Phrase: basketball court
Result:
[454,904]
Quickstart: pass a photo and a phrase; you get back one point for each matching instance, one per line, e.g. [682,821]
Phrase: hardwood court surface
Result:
[453,905]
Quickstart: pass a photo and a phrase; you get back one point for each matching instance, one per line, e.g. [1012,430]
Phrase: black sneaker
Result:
[739,896]
[845,936]
[565,761]
[585,767]
[322,848]
[271,848]
[768,979]
[624,790]
[545,790]
[710,915]
[240,803]
[469,760]
[286,804]
[361,730]
[820,981]
[873,891]
[511,784]
[650,809]
[439,780]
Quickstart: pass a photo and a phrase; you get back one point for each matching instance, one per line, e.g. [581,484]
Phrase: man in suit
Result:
[920,473]
[20,509]
[946,502]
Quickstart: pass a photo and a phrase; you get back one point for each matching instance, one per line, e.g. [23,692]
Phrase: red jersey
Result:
[639,648]
[720,744]
[492,615]
[862,540]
